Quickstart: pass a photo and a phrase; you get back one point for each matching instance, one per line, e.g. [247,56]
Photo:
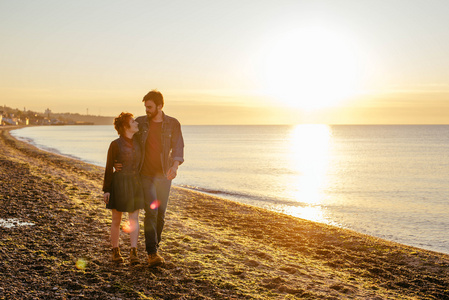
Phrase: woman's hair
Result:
[122,122]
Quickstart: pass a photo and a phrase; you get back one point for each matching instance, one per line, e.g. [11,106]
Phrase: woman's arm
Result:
[109,170]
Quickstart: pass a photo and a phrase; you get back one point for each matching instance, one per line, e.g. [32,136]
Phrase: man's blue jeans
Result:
[156,191]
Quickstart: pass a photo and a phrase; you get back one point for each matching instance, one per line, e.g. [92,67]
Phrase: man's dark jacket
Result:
[172,140]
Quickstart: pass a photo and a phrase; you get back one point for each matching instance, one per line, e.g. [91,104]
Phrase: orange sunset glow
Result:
[251,62]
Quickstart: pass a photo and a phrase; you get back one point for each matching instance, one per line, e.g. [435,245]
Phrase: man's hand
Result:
[173,171]
[106,197]
[117,166]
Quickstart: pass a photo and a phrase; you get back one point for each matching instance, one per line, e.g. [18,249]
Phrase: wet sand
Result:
[214,248]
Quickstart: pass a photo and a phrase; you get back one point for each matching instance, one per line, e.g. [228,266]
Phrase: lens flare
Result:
[126,227]
[81,264]
[155,204]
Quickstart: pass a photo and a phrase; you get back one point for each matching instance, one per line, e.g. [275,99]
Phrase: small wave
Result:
[32,142]
[217,192]
[243,196]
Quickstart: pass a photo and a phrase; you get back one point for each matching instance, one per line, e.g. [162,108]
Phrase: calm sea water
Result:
[390,182]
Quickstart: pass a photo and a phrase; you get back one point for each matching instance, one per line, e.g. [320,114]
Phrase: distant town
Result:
[16,117]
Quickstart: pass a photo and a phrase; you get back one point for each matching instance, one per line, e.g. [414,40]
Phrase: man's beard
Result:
[151,115]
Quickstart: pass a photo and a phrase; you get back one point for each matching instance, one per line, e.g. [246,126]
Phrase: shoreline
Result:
[398,228]
[214,248]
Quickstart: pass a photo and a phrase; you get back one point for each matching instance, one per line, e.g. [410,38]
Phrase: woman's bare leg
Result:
[134,226]
[115,227]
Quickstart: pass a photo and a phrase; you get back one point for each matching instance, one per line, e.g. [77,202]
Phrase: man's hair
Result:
[154,96]
[122,122]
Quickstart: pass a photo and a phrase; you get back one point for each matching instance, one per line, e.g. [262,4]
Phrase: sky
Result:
[230,62]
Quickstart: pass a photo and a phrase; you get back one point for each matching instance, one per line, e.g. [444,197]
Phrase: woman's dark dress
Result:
[124,185]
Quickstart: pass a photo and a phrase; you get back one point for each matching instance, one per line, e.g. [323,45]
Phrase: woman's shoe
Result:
[116,256]
[134,260]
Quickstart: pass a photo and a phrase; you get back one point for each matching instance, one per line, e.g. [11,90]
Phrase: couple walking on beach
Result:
[140,167]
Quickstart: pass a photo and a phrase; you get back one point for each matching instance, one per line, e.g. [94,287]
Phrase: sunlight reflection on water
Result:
[310,146]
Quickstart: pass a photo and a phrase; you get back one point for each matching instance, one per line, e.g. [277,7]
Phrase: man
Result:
[163,151]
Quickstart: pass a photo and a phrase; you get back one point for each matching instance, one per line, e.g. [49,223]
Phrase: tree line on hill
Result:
[15,116]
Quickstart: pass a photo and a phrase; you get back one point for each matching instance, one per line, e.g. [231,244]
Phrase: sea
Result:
[387,181]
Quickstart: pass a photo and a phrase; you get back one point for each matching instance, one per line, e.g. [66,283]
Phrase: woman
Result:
[122,189]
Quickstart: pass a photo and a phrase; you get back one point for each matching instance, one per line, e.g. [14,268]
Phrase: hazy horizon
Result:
[85,114]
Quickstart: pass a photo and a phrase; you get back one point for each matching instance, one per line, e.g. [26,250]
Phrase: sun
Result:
[310,68]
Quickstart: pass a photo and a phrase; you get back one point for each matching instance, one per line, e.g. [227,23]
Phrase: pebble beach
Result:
[56,245]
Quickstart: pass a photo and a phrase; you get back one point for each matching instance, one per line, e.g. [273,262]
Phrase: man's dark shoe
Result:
[155,260]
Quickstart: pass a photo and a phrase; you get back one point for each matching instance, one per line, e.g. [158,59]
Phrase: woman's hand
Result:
[117,166]
[106,197]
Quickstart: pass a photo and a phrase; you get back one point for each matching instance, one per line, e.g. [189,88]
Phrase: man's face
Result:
[151,109]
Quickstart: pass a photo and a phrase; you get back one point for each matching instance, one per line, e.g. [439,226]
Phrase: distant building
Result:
[48,113]
[10,121]
[24,121]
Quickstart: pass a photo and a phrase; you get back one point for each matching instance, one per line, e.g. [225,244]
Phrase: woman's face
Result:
[133,125]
